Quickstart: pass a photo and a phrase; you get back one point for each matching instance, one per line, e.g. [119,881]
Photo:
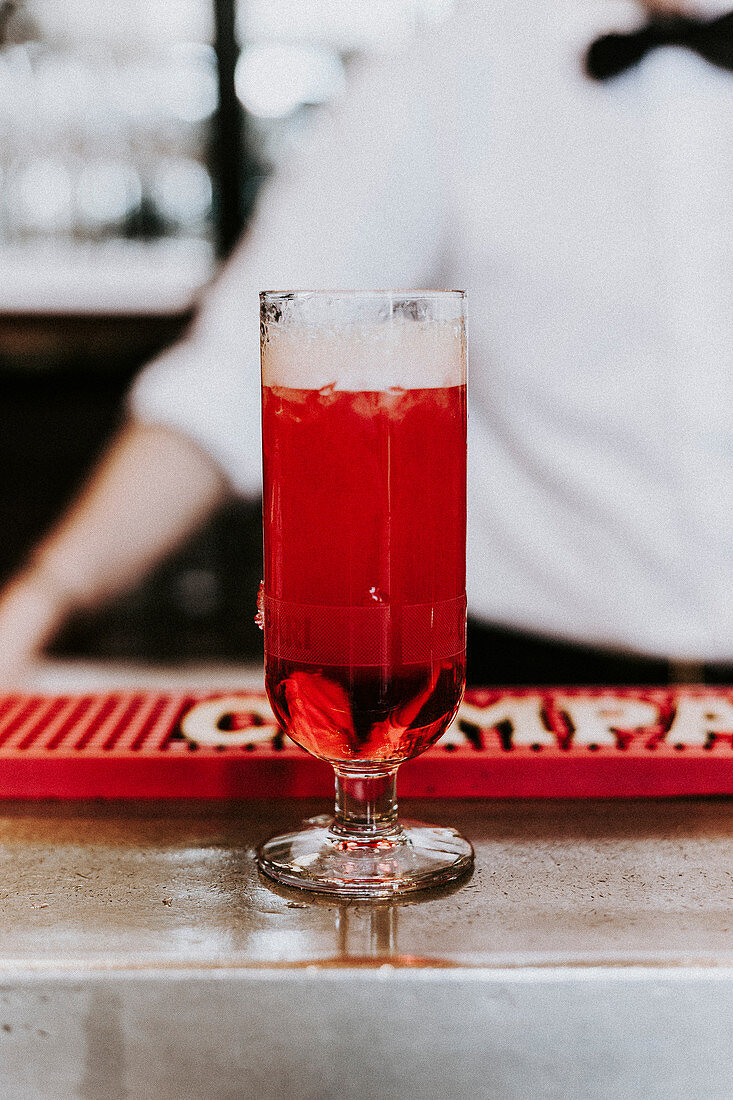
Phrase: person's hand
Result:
[31,612]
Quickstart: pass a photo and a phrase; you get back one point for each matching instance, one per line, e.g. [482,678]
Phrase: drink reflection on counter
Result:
[366,934]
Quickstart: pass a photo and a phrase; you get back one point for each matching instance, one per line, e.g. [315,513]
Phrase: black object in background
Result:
[227,152]
[612,54]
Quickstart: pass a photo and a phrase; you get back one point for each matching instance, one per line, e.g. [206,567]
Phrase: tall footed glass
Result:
[364,508]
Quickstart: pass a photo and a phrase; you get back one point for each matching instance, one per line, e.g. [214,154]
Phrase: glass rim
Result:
[412,295]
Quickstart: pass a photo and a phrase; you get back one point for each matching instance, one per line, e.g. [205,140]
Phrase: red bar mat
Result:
[564,742]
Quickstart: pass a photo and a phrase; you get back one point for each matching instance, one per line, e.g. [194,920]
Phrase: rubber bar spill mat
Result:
[521,743]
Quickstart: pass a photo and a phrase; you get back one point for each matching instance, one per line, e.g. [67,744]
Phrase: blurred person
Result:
[590,223]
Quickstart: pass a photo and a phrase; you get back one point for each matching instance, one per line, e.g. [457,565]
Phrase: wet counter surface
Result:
[174,884]
[589,955]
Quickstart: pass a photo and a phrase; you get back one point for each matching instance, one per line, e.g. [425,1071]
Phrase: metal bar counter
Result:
[589,956]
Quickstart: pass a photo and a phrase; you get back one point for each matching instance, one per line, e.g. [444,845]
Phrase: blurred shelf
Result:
[115,279]
[31,340]
[122,300]
[48,675]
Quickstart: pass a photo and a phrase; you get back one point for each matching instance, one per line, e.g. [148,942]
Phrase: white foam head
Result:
[359,348]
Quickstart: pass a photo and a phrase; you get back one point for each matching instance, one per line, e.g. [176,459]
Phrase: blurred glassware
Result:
[105,117]
[191,85]
[41,195]
[108,192]
[137,22]
[182,192]
[273,79]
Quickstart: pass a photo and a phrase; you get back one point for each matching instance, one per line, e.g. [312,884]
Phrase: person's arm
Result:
[152,487]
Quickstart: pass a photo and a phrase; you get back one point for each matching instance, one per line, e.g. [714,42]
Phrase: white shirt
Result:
[591,226]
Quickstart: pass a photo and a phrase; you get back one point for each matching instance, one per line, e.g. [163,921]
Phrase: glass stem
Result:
[366,805]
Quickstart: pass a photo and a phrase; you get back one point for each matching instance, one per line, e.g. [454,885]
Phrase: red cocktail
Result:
[364,450]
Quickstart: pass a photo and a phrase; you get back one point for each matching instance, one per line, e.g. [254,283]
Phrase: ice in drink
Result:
[365,518]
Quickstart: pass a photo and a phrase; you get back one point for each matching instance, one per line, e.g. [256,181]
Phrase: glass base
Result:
[411,857]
